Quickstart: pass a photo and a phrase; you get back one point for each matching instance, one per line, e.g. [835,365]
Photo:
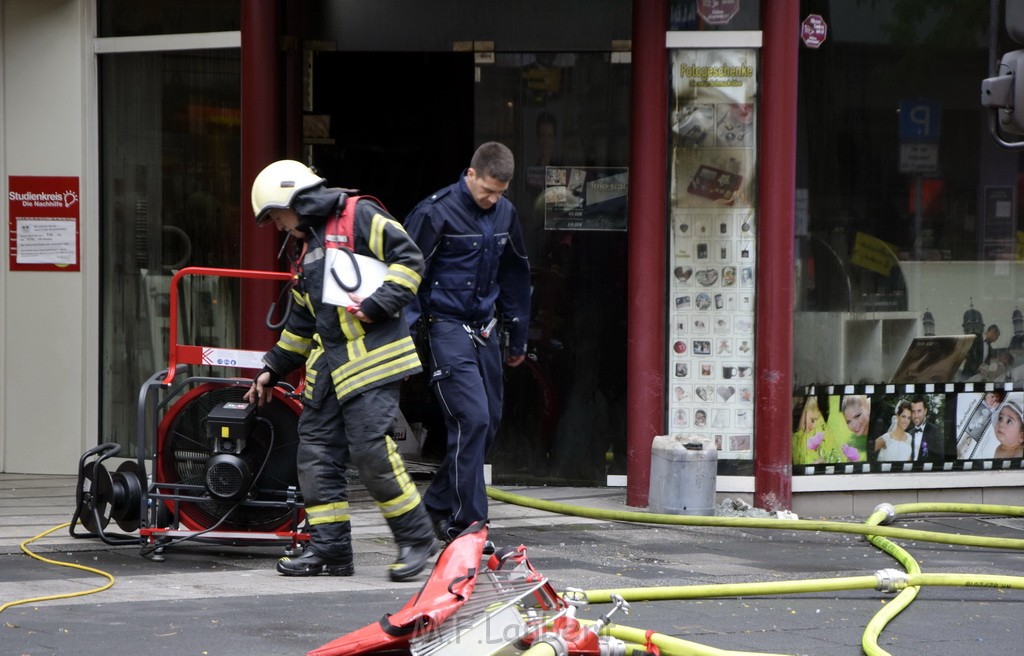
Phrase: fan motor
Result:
[229,477]
[229,472]
[211,420]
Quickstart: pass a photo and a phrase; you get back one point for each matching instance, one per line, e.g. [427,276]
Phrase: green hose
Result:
[908,583]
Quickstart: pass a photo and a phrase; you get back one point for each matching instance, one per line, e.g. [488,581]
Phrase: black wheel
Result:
[127,496]
[93,497]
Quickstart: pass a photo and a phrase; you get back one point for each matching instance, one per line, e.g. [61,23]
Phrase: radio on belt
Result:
[228,424]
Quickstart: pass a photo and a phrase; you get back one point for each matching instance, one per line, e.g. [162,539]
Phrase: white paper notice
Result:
[46,240]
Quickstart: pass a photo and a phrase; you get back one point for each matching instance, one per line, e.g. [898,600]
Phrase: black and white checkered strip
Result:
[897,467]
[910,388]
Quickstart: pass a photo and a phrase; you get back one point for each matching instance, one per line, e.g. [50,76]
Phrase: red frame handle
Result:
[193,353]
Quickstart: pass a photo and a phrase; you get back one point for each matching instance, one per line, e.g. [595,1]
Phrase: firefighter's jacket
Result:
[476,262]
[340,351]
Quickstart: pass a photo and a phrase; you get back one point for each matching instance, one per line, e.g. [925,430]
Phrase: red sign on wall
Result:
[44,217]
[813,31]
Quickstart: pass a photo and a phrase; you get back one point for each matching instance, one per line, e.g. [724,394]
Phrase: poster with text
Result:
[713,244]
[43,215]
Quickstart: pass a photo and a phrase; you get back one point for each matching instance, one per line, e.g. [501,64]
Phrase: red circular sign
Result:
[813,31]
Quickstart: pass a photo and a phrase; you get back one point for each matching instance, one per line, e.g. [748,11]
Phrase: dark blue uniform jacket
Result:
[476,262]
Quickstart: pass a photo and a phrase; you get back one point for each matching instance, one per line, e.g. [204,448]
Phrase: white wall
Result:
[48,351]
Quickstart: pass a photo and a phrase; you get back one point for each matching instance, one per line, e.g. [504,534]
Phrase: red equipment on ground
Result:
[208,466]
[467,606]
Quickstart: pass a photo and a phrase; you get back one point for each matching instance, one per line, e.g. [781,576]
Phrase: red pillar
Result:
[645,350]
[773,468]
[261,129]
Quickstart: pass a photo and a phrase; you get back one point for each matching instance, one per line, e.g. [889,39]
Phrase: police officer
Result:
[476,270]
[355,358]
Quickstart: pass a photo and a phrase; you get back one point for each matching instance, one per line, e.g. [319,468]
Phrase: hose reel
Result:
[102,495]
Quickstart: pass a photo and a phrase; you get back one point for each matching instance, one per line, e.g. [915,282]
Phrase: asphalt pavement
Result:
[210,600]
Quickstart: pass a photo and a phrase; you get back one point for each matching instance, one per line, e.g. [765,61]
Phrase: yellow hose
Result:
[24,547]
[540,649]
[670,646]
[754,522]
[874,628]
[908,583]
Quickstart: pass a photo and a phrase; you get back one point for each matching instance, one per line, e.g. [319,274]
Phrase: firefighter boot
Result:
[412,558]
[329,550]
[311,564]
[415,537]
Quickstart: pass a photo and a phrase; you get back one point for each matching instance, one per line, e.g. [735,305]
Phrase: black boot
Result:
[412,558]
[311,564]
[442,531]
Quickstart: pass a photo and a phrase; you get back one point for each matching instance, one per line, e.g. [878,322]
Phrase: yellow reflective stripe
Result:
[397,355]
[391,369]
[351,327]
[328,513]
[374,358]
[404,276]
[356,349]
[289,341]
[302,299]
[376,238]
[410,497]
[317,349]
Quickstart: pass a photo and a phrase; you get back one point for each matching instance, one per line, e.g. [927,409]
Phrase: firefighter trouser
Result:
[360,430]
[466,375]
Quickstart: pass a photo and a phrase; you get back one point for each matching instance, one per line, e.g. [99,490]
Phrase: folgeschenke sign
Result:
[44,217]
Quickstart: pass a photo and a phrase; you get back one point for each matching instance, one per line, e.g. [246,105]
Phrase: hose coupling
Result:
[575,597]
[611,646]
[890,513]
[891,580]
[556,642]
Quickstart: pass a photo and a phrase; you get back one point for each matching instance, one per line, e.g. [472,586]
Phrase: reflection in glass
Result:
[169,199]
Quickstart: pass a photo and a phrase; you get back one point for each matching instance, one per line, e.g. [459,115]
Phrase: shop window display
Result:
[907,216]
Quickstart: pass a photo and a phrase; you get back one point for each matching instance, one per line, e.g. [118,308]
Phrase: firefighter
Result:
[476,270]
[355,358]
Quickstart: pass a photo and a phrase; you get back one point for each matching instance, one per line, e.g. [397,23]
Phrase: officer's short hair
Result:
[494,160]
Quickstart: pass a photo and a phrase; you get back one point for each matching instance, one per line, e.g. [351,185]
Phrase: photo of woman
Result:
[895,445]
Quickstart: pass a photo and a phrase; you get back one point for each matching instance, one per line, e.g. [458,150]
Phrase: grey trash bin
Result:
[684,470]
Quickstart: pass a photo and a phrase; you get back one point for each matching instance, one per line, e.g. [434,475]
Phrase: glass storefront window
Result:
[566,116]
[169,154]
[909,278]
[907,211]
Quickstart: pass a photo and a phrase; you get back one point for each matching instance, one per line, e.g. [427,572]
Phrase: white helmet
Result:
[277,184]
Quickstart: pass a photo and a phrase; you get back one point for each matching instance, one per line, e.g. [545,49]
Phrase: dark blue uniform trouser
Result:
[467,380]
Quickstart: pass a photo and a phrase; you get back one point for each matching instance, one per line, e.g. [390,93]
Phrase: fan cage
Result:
[184,449]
